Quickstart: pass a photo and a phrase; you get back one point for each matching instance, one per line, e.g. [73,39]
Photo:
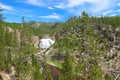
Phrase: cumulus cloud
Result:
[52,16]
[6,7]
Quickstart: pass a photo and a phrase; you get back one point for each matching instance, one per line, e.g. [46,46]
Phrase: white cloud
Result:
[74,6]
[30,16]
[51,8]
[52,16]
[61,6]
[118,10]
[34,2]
[118,4]
[43,3]
[71,3]
[93,7]
[6,7]
[100,6]
[112,15]
[78,2]
[107,12]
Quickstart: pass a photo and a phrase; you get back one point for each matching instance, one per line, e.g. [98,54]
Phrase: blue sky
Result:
[56,10]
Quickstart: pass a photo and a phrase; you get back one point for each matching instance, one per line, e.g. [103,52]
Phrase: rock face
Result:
[55,72]
[111,63]
[14,31]
[110,60]
[10,76]
[10,29]
[18,35]
[35,41]
[5,76]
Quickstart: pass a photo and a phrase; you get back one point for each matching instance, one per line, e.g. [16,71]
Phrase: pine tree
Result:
[1,15]
[85,17]
[37,72]
[67,70]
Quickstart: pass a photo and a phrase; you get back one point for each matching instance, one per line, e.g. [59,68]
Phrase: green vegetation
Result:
[1,15]
[83,41]
[55,63]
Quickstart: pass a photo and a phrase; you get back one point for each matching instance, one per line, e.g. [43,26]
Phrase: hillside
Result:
[86,48]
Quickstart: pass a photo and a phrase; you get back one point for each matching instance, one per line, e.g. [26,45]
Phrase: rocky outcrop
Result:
[18,36]
[15,33]
[110,63]
[67,31]
[110,60]
[5,76]
[8,76]
[35,41]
